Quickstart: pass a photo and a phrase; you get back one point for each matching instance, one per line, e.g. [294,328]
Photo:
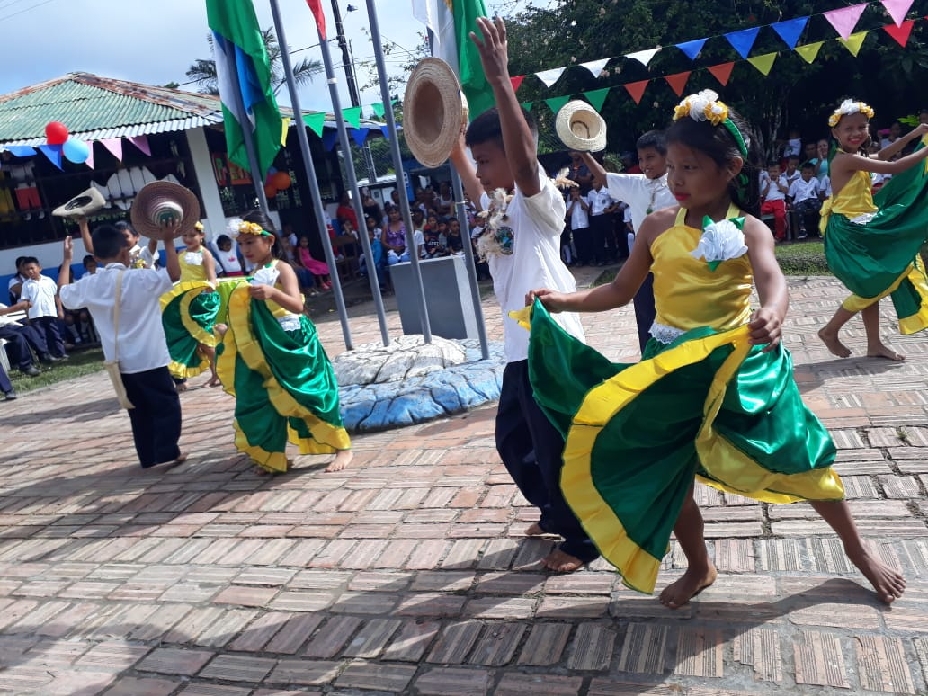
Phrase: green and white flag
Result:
[243,69]
[450,22]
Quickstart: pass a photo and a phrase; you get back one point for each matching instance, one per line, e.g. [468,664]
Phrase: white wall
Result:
[214,222]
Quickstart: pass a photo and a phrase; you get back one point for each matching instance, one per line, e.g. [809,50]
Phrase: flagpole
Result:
[313,183]
[458,190]
[400,173]
[353,183]
[257,176]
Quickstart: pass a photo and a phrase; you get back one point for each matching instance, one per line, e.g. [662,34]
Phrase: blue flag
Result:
[743,41]
[791,30]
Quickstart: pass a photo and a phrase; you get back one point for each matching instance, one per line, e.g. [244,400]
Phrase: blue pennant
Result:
[743,41]
[53,152]
[329,138]
[791,31]
[692,48]
[359,135]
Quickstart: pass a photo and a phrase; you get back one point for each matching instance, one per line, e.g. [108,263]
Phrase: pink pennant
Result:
[141,142]
[845,20]
[897,9]
[114,145]
[89,160]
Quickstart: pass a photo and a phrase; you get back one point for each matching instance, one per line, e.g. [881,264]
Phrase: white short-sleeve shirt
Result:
[41,295]
[643,195]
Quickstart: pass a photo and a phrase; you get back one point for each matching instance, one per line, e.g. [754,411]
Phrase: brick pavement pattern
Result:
[407,574]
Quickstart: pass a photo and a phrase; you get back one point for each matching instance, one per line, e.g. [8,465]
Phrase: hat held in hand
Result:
[580,128]
[434,110]
[160,203]
[82,205]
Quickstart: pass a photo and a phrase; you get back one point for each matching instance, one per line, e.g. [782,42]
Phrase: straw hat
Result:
[580,128]
[82,205]
[434,109]
[160,202]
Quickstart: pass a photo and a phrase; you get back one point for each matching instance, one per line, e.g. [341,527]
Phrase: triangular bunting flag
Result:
[636,89]
[315,122]
[810,51]
[89,160]
[678,82]
[114,145]
[385,131]
[743,41]
[141,142]
[692,48]
[353,116]
[644,57]
[595,66]
[53,152]
[763,63]
[596,97]
[527,106]
[359,135]
[854,42]
[902,32]
[516,82]
[722,72]
[897,9]
[329,140]
[845,19]
[555,103]
[791,31]
[549,77]
[377,108]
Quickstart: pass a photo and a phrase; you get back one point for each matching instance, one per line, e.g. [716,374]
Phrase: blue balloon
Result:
[76,150]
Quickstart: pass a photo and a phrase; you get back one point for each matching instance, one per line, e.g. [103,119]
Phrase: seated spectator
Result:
[42,307]
[792,169]
[418,235]
[444,201]
[6,386]
[379,260]
[454,242]
[15,286]
[805,195]
[344,211]
[370,206]
[310,272]
[431,245]
[228,263]
[20,341]
[393,237]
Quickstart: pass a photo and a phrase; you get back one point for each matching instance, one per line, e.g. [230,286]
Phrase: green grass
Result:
[80,363]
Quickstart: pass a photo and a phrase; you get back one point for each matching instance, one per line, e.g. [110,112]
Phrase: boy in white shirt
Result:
[139,256]
[142,349]
[578,210]
[773,190]
[806,199]
[39,300]
[601,209]
[521,244]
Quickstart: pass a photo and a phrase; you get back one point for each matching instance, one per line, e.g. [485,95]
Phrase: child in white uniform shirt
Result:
[40,302]
[601,207]
[773,190]
[806,195]
[522,230]
[578,210]
[143,353]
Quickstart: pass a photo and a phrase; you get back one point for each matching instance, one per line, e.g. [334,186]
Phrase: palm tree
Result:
[203,70]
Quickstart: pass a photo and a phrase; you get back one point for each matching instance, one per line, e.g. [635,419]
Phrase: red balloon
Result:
[56,133]
[281,181]
[270,190]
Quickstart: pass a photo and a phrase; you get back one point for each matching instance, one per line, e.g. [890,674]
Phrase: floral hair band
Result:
[706,106]
[239,227]
[849,107]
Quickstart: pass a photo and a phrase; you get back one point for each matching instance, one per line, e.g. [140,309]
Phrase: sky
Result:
[155,41]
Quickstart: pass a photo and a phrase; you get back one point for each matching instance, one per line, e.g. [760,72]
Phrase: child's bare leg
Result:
[875,346]
[829,332]
[342,459]
[700,572]
[888,584]
[210,353]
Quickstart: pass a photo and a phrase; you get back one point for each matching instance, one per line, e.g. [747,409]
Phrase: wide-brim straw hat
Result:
[580,128]
[82,205]
[158,203]
[434,110]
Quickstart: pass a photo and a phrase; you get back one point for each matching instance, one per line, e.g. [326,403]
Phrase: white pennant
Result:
[549,77]
[595,66]
[643,56]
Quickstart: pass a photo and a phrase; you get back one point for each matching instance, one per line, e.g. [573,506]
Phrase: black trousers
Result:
[17,346]
[156,418]
[50,329]
[583,243]
[6,386]
[645,313]
[532,451]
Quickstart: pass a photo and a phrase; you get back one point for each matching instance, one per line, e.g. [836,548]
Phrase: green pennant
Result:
[555,103]
[353,116]
[377,108]
[596,97]
[315,121]
[527,106]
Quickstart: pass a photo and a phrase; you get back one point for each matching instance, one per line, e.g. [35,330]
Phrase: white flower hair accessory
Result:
[720,241]
[491,242]
[705,106]
[848,107]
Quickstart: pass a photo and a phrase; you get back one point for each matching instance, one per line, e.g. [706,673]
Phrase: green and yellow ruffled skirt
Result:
[188,314]
[882,257]
[283,383]
[709,406]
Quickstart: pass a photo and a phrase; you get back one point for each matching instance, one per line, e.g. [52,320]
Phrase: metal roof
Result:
[95,108]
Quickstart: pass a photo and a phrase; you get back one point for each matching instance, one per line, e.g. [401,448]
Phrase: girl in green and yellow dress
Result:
[713,398]
[872,242]
[272,362]
[189,312]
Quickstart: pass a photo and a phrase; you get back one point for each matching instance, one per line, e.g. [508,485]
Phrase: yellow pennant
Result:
[810,51]
[763,63]
[854,42]
[285,126]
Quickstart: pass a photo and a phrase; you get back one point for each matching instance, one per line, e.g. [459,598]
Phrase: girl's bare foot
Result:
[536,530]
[221,329]
[180,387]
[215,382]
[561,562]
[342,459]
[881,350]
[694,581]
[833,344]
[887,583]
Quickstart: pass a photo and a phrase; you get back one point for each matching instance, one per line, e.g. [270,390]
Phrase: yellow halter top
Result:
[689,295]
[854,200]
[191,266]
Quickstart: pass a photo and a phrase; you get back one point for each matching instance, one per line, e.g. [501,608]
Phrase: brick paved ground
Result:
[407,574]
